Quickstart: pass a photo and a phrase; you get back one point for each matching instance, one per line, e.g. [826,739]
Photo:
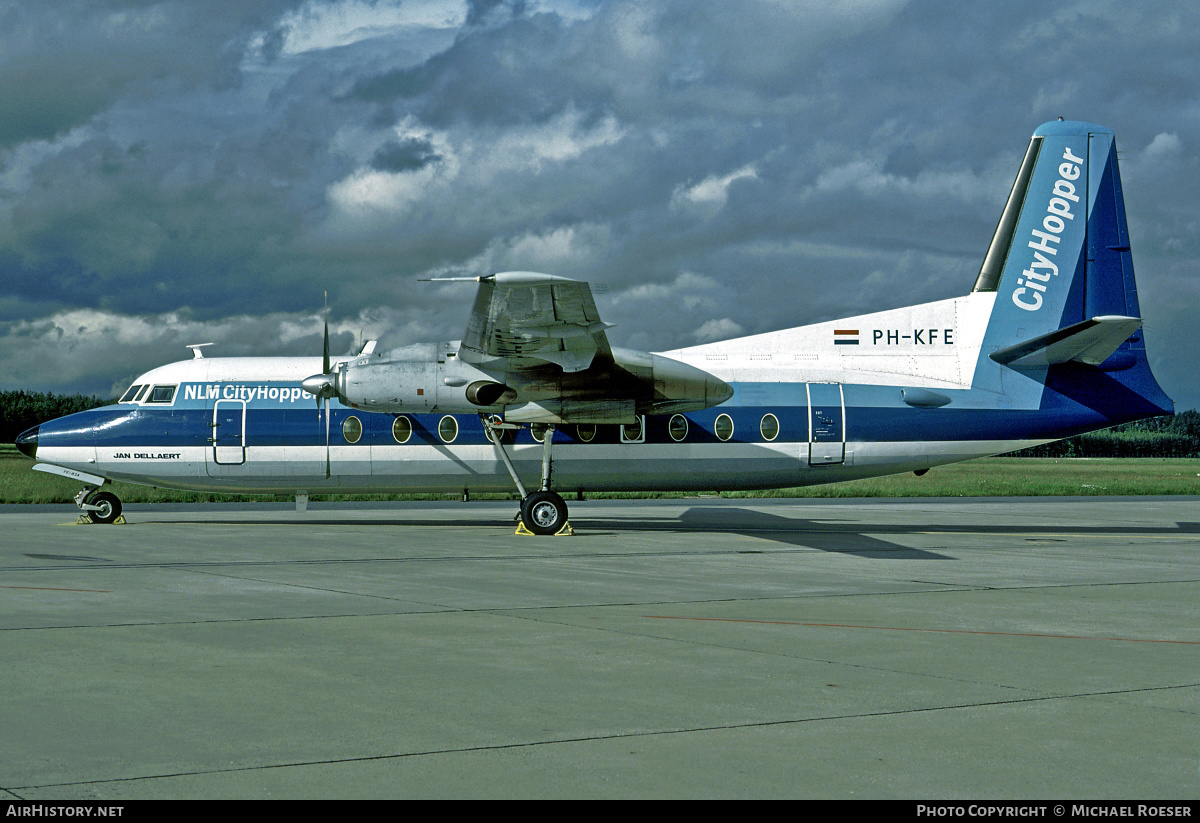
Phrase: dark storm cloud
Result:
[404,155]
[724,168]
[65,62]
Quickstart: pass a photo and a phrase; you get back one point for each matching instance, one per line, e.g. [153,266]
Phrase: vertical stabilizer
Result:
[1037,262]
[1061,267]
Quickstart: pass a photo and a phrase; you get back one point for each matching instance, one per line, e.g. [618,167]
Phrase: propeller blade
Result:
[326,438]
[325,361]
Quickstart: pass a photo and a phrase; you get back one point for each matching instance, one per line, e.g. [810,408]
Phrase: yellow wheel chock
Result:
[565,531]
[85,519]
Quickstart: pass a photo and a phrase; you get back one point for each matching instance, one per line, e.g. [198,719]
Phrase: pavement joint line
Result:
[762,724]
[918,629]
[53,589]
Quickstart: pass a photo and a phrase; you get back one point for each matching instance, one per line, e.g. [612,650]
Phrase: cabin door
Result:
[229,432]
[826,424]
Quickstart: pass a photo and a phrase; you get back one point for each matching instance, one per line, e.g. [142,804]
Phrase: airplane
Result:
[1046,345]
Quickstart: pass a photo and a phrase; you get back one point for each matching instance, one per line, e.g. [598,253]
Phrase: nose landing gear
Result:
[98,506]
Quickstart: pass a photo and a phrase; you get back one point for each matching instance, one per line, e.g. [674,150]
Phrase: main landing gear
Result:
[100,507]
[543,511]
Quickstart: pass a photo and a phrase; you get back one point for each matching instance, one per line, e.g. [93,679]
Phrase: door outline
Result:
[229,447]
[826,424]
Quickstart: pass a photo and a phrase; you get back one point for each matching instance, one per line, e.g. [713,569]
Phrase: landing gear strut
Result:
[544,511]
[101,507]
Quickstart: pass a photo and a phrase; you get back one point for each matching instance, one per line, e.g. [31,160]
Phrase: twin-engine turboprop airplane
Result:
[1047,345]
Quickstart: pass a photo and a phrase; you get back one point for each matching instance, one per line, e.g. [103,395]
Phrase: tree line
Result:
[20,410]
[1167,436]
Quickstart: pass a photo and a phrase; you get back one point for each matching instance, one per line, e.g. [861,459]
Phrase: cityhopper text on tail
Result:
[1048,344]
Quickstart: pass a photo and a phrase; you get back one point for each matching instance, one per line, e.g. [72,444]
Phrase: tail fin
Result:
[1061,267]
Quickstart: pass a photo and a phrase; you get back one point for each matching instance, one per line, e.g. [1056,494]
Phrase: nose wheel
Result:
[101,507]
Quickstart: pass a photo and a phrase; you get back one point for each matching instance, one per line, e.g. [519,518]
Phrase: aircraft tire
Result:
[544,512]
[110,507]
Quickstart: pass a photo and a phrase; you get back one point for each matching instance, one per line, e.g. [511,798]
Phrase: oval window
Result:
[401,429]
[632,432]
[352,429]
[448,429]
[769,427]
[678,427]
[538,430]
[723,428]
[585,433]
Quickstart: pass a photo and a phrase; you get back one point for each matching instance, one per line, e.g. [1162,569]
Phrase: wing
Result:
[523,319]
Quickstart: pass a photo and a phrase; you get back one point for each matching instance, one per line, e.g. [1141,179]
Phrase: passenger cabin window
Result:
[128,396]
[723,427]
[678,427]
[768,427]
[162,394]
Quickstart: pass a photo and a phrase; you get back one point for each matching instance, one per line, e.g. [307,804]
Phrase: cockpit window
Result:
[128,396]
[141,393]
[162,394]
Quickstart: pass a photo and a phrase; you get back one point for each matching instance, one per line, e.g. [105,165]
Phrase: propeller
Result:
[323,386]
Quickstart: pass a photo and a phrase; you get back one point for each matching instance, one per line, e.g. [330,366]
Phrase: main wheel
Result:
[543,512]
[110,507]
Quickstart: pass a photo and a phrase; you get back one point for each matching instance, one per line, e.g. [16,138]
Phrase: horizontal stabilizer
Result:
[1091,342]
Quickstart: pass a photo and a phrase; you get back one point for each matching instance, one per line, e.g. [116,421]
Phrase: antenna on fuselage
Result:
[196,347]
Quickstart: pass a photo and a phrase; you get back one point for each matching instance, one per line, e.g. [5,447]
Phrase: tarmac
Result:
[1011,648]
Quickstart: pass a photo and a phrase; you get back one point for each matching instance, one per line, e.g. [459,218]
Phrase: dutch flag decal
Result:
[845,337]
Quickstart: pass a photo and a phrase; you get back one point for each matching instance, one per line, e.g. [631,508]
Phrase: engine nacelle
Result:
[431,378]
[416,379]
[670,386]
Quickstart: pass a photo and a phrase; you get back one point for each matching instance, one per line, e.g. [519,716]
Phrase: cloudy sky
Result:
[189,172]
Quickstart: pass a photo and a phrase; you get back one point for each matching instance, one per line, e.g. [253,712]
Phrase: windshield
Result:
[161,394]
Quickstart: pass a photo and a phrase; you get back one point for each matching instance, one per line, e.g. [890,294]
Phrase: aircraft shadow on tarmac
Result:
[857,538]
[849,538]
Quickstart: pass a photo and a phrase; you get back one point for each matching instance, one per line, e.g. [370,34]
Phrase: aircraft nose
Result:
[27,442]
